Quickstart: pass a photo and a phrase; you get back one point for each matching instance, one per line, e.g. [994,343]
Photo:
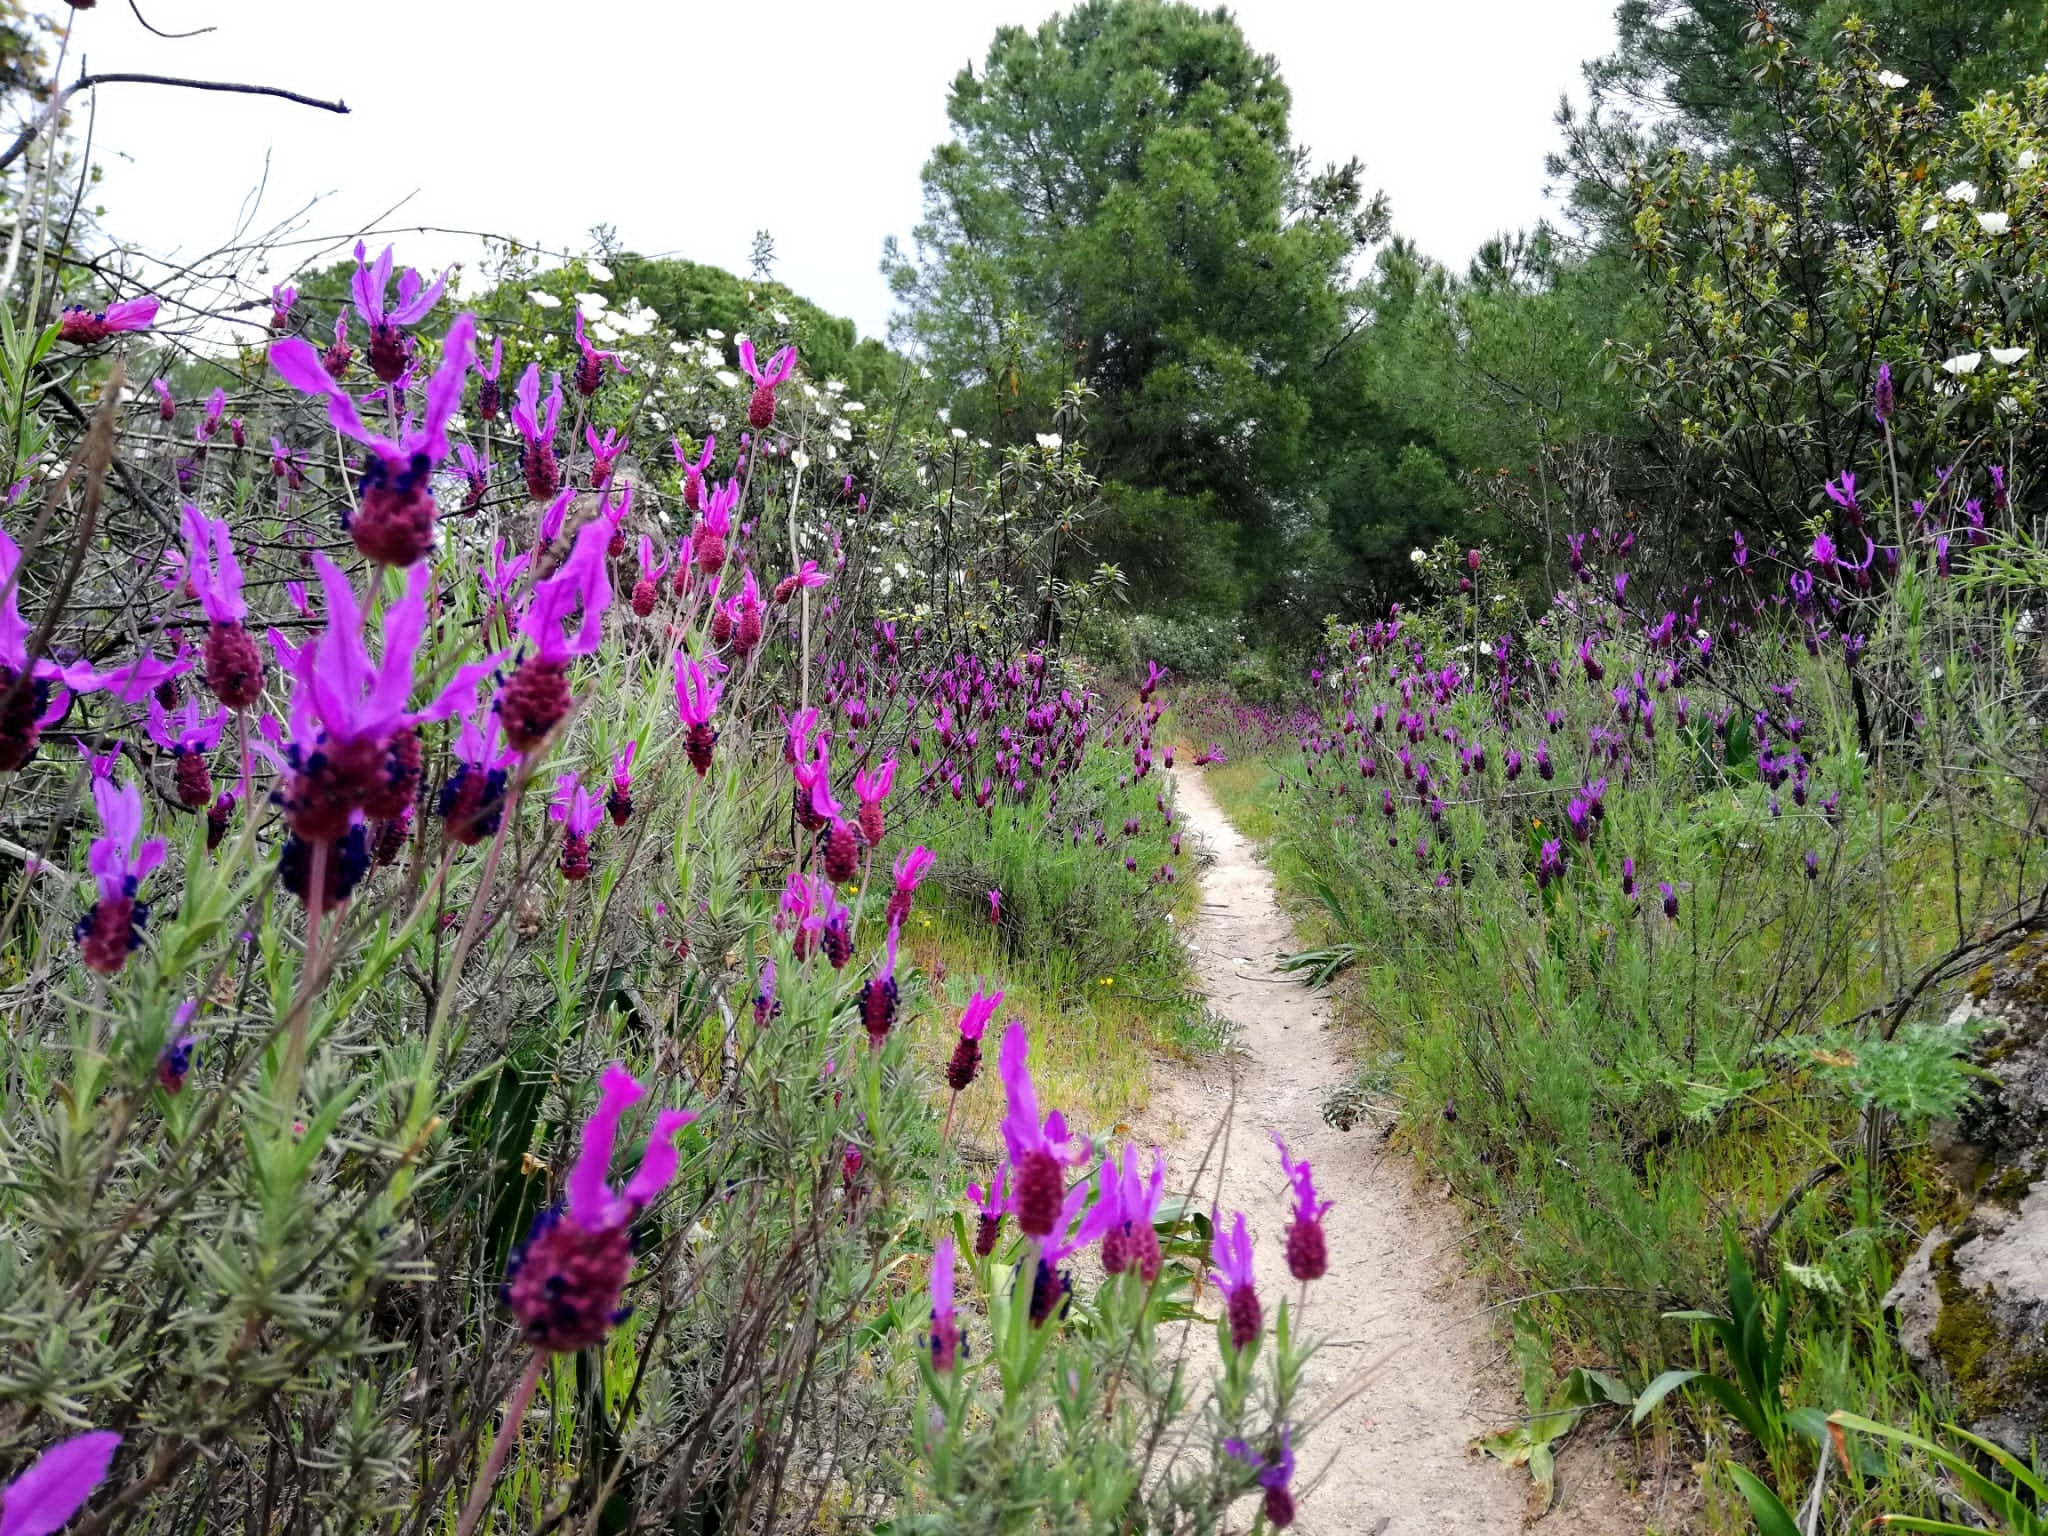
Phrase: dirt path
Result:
[1392,1310]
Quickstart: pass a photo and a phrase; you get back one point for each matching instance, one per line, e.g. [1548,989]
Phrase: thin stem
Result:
[501,1447]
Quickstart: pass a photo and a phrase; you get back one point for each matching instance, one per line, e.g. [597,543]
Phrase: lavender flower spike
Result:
[564,1281]
[396,522]
[120,859]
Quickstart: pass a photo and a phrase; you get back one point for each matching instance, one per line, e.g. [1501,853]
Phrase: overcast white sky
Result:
[689,125]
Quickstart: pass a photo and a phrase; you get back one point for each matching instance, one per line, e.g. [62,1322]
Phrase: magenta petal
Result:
[57,1484]
[658,1163]
[299,365]
[589,1196]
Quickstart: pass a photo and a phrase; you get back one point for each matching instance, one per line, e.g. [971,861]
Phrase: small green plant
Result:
[1553,1413]
[1752,1336]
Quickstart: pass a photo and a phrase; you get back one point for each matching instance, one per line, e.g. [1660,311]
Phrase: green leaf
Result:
[1772,1518]
[1658,1390]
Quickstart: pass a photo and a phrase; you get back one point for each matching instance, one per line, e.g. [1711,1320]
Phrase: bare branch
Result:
[87,82]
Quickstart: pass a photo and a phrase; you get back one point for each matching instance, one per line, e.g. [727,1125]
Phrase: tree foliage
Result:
[1122,205]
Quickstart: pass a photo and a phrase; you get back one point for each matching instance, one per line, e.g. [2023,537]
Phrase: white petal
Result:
[1994,223]
[1891,79]
[598,271]
[1961,192]
[543,299]
[2005,357]
[1965,362]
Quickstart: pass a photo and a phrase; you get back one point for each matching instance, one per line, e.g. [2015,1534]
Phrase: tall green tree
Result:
[1733,79]
[1121,205]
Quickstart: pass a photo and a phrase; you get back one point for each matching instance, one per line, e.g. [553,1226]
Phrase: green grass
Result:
[1601,1091]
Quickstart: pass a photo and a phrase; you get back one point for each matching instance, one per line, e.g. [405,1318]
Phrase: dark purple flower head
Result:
[1883,398]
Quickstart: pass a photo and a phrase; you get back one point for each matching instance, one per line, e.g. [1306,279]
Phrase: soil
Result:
[1410,1369]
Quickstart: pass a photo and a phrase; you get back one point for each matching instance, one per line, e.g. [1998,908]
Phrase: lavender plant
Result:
[309,1190]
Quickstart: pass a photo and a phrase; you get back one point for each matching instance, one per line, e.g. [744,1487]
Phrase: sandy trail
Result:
[1393,1308]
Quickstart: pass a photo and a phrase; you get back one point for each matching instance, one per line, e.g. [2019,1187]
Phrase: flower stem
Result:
[501,1447]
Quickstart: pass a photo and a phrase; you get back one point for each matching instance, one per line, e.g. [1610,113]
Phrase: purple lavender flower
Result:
[120,859]
[86,327]
[579,811]
[761,408]
[563,1283]
[1231,1253]
[697,693]
[390,347]
[590,369]
[395,520]
[619,802]
[1273,1476]
[535,698]
[990,1206]
[1037,1151]
[965,1062]
[187,736]
[537,461]
[1131,1240]
[1308,1252]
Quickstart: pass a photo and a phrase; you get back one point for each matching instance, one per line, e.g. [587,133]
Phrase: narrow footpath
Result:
[1401,1331]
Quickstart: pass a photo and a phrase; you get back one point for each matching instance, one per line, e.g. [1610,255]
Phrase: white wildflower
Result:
[593,303]
[1963,363]
[728,378]
[1994,223]
[599,272]
[1930,224]
[543,298]
[2005,357]
[960,434]
[714,335]
[1417,557]
[1961,192]
[853,407]
[1891,80]
[1050,441]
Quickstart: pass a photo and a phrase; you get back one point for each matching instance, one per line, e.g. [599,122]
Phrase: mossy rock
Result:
[1972,1305]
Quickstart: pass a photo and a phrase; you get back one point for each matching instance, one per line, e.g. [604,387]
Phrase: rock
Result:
[1971,1306]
